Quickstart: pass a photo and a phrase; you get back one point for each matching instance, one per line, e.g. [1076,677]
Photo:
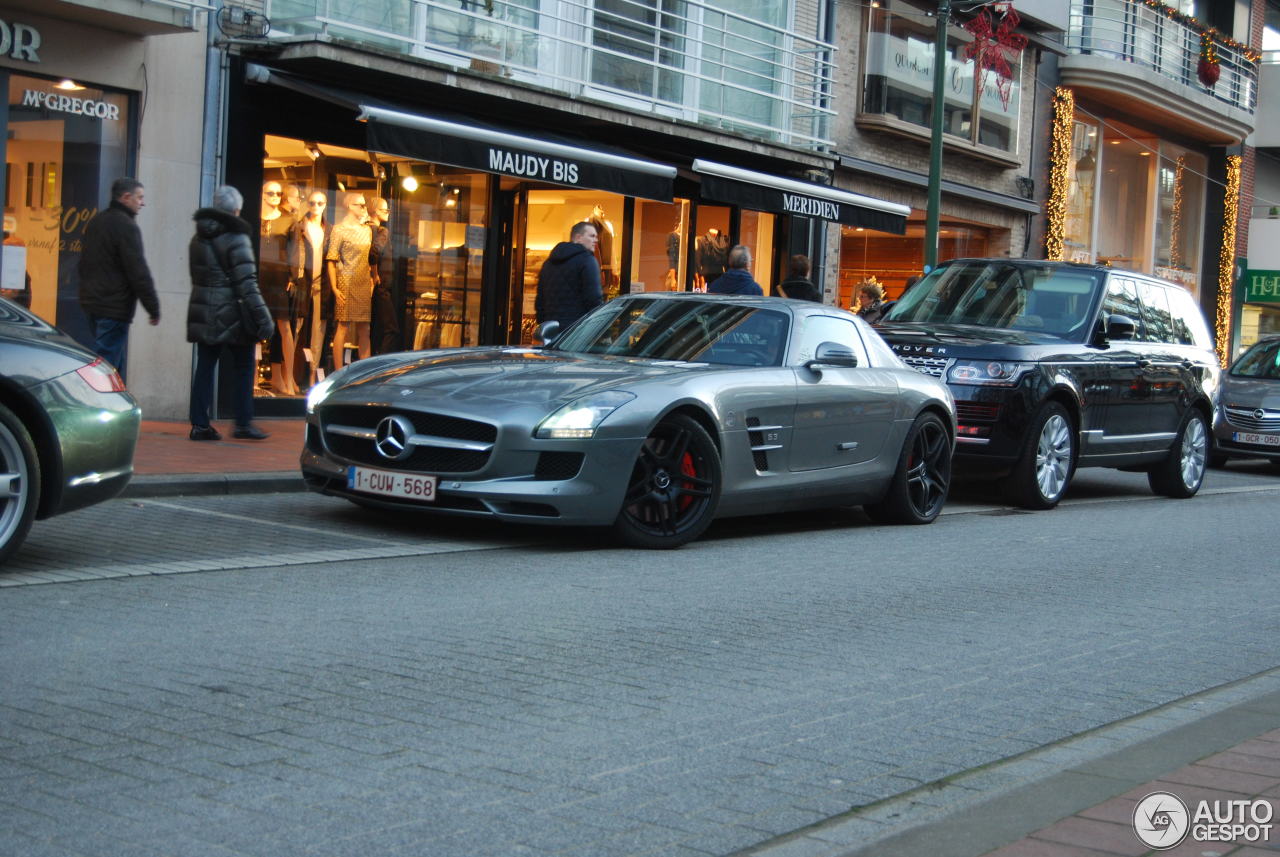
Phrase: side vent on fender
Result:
[761,443]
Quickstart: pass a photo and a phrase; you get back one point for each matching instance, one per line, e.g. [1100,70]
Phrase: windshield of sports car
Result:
[688,330]
[1044,299]
[1260,361]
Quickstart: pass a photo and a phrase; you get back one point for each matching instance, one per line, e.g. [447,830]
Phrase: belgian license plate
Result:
[407,485]
[1256,439]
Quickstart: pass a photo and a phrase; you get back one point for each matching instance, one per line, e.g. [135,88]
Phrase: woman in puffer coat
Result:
[226,311]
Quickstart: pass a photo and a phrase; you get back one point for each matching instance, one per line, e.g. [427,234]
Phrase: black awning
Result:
[494,150]
[459,141]
[764,192]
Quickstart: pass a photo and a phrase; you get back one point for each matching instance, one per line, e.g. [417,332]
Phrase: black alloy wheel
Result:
[674,487]
[919,487]
[19,482]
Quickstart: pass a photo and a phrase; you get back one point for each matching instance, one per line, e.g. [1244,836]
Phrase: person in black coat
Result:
[797,285]
[569,282]
[113,272]
[226,310]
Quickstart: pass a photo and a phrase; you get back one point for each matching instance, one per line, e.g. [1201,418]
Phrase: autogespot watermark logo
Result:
[1161,820]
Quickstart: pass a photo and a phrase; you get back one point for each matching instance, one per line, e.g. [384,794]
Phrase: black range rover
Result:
[1058,365]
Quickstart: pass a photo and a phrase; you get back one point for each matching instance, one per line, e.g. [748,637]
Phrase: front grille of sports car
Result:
[1244,418]
[557,466]
[424,459]
[934,366]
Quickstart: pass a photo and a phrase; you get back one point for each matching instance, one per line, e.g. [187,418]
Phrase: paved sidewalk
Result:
[1076,799]
[168,462]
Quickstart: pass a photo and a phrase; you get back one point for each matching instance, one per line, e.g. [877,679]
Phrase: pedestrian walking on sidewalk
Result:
[114,275]
[226,311]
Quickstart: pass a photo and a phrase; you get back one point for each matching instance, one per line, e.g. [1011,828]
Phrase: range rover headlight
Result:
[581,417]
[1000,373]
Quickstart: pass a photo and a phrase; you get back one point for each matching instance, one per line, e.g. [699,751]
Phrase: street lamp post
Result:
[935,142]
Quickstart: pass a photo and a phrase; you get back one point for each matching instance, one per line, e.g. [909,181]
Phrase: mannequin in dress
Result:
[276,285]
[351,278]
[311,276]
[604,249]
[385,327]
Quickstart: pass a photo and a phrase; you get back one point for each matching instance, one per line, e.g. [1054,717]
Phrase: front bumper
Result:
[507,488]
[1224,442]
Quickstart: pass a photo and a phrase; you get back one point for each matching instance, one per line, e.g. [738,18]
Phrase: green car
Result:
[68,428]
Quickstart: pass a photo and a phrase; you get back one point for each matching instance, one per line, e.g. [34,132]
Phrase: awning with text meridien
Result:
[763,192]
[428,138]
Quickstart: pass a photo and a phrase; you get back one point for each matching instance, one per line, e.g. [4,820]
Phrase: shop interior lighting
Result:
[68,85]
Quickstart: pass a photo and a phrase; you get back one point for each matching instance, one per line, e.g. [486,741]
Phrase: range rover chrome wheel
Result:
[1043,471]
[1181,474]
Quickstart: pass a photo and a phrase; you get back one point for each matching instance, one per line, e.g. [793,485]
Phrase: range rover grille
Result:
[1244,418]
[934,366]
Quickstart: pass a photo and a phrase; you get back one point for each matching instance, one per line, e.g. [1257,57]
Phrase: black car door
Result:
[1163,371]
[1116,396]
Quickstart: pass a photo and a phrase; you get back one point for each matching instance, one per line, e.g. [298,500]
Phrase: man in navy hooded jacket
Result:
[569,282]
[737,280]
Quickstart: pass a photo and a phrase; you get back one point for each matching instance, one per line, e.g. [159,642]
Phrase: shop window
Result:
[755,232]
[710,245]
[895,260]
[1082,175]
[405,240]
[898,81]
[549,217]
[659,255]
[66,144]
[1180,199]
[1125,221]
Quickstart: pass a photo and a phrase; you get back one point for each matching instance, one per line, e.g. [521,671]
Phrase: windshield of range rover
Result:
[696,331]
[1043,299]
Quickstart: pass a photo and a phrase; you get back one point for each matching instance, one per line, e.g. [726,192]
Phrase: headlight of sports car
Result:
[318,393]
[581,417]
[1000,373]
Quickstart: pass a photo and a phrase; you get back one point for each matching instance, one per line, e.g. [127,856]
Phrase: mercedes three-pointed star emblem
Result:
[392,438]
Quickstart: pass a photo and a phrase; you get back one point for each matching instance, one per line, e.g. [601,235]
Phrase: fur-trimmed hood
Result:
[212,222]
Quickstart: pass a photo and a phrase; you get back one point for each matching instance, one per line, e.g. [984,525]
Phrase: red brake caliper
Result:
[686,467]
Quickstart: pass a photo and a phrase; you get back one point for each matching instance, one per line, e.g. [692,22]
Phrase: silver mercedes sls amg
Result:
[654,414]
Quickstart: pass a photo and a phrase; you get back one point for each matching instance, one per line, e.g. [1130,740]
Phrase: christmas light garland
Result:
[1175,227]
[1250,53]
[1227,259]
[1064,112]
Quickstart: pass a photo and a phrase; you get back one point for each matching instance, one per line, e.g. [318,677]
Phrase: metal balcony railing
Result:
[1134,32]
[684,59]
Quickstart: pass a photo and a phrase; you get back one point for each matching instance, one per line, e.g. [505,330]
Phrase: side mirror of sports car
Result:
[833,354]
[549,332]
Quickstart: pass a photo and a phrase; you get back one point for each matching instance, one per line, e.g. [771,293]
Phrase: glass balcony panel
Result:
[734,65]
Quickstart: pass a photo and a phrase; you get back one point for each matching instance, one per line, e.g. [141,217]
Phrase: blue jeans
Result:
[109,340]
[202,382]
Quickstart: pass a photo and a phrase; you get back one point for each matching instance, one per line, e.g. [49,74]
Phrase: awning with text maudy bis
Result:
[764,192]
[494,150]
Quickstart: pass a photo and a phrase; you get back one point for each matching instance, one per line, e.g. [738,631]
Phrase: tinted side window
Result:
[1122,299]
[825,328]
[1188,320]
[1155,308]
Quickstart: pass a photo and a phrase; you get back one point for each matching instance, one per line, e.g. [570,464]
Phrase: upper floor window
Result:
[898,80]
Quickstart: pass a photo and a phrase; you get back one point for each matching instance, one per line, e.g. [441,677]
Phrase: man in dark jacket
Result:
[226,310]
[569,282]
[797,285]
[737,280]
[113,273]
